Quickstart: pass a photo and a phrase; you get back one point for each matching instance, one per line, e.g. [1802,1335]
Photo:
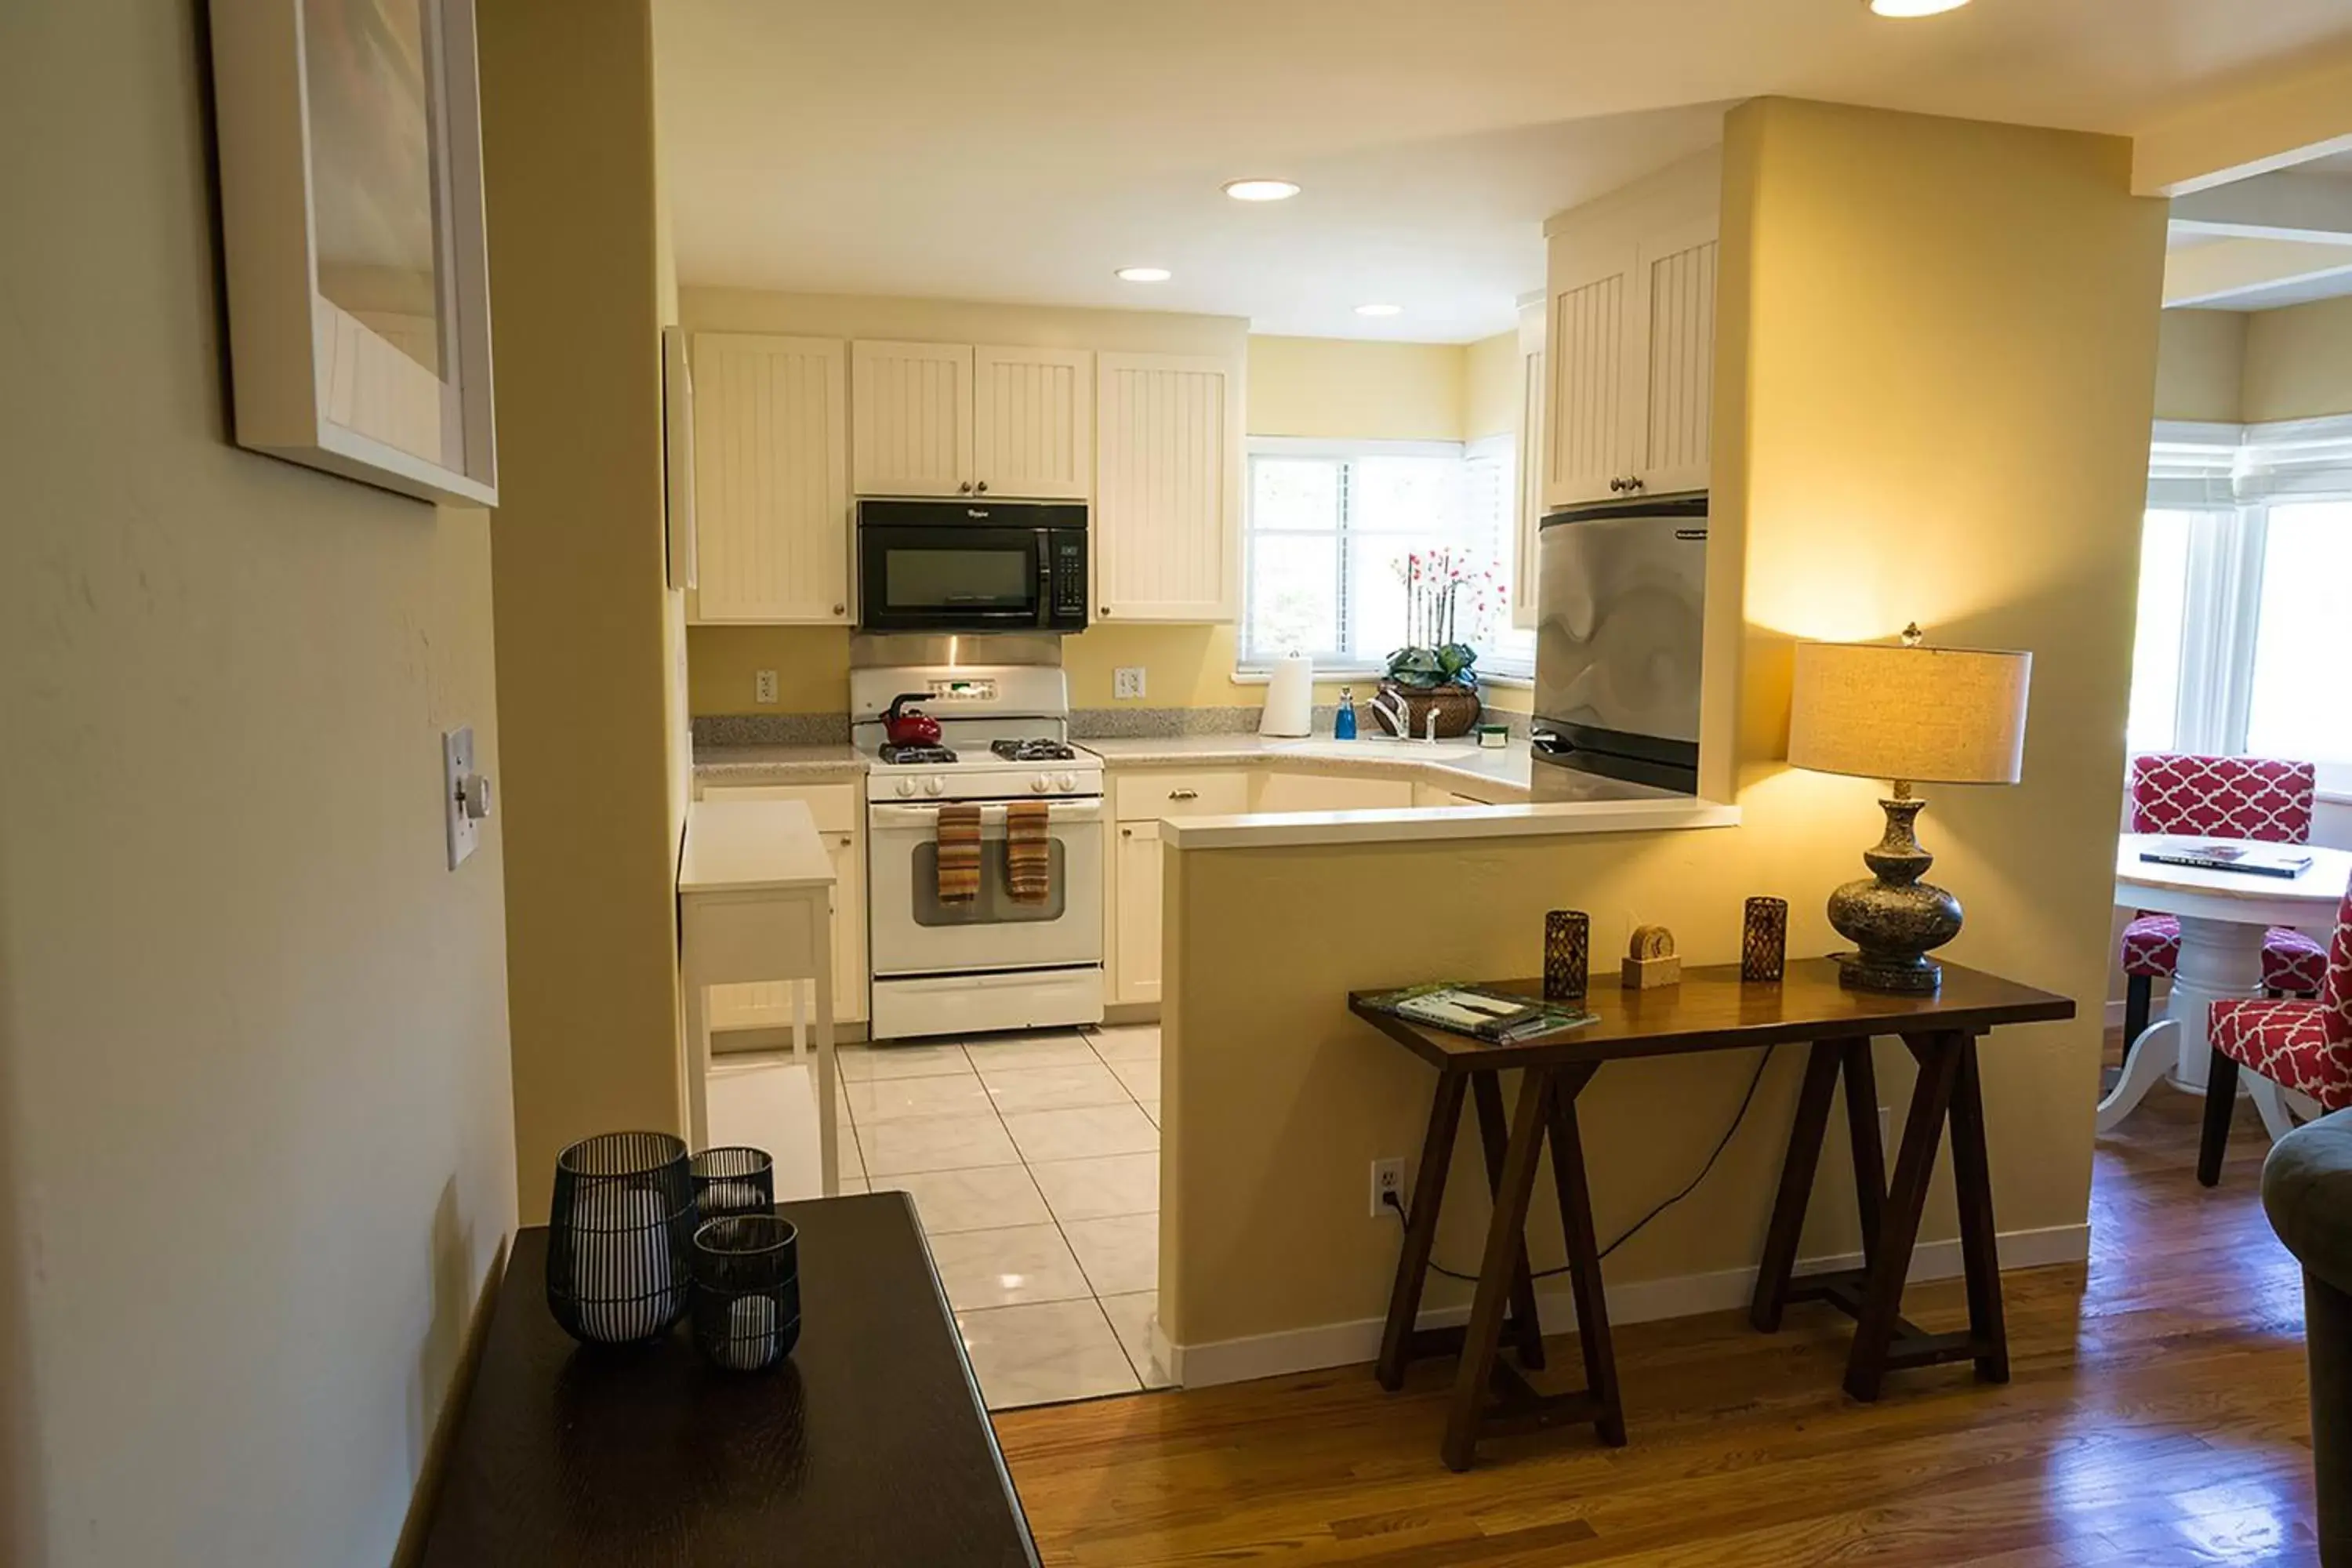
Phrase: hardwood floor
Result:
[2156,1415]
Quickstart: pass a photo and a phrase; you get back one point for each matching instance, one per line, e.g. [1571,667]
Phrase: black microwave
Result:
[971,565]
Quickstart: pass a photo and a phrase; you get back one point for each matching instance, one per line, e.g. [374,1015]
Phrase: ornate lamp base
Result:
[1894,918]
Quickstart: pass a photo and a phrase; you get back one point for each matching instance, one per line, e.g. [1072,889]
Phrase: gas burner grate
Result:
[917,756]
[1034,751]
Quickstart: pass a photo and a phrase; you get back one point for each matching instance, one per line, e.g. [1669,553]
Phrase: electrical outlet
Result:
[764,686]
[1388,1181]
[1128,681]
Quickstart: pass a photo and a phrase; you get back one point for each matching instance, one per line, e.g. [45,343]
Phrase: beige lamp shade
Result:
[1932,715]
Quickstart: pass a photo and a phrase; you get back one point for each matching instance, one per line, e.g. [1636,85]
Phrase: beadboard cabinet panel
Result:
[1137,914]
[770,480]
[1588,395]
[912,431]
[1032,423]
[1678,285]
[1168,507]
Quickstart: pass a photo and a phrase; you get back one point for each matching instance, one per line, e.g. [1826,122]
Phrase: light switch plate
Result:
[1128,681]
[465,833]
[764,686]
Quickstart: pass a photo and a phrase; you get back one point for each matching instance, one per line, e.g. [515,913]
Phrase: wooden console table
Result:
[1710,1010]
[869,1445]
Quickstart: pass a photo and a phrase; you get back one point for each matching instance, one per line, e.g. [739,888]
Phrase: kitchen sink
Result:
[1380,746]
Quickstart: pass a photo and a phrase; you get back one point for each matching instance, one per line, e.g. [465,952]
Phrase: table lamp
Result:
[1912,714]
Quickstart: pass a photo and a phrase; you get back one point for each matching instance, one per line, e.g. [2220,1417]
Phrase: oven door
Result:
[914,933]
[935,577]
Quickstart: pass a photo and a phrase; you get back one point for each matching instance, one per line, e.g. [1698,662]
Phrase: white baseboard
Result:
[1638,1302]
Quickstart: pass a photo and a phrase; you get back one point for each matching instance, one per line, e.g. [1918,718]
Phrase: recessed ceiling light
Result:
[1260,190]
[1145,274]
[1914,7]
[1380,309]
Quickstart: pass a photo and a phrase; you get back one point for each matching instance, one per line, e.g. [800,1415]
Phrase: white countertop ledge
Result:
[1442,824]
[751,845]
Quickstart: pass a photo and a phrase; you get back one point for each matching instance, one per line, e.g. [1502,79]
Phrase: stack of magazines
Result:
[1499,1017]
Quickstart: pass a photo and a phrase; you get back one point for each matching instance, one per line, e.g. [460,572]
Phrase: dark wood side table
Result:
[869,1445]
[1711,1010]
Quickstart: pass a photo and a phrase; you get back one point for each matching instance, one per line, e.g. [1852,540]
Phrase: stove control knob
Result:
[1040,784]
[906,786]
[1067,783]
[935,785]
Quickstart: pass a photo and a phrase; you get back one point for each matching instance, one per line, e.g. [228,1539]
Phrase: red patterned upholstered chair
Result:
[2218,798]
[2299,1044]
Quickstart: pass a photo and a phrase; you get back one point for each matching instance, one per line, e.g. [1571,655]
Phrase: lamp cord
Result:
[1404,1216]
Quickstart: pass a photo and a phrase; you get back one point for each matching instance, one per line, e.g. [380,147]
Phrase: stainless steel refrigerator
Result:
[1619,595]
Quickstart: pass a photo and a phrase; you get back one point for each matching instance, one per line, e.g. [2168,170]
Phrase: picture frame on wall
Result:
[357,271]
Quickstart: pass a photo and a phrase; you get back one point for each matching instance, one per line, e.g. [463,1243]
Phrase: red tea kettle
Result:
[904,726]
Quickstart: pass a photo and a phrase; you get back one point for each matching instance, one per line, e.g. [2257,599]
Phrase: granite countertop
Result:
[777,764]
[1497,775]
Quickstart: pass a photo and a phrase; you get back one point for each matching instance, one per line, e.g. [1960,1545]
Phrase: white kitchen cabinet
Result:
[770,480]
[1032,423]
[1135,964]
[838,810]
[1630,350]
[1535,447]
[1167,520]
[945,419]
[911,431]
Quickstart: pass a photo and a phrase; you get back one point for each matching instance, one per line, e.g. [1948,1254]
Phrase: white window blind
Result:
[2246,581]
[1330,526]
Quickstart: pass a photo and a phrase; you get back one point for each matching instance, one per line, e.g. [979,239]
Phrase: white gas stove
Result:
[991,962]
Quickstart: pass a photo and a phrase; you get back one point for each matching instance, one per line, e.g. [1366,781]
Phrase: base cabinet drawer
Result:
[1323,792]
[1201,793]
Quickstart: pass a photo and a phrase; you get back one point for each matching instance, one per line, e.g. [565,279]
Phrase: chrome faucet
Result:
[1392,707]
[1429,725]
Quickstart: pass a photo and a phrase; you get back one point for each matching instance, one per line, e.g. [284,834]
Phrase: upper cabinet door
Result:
[1587,355]
[771,479]
[1676,314]
[1034,422]
[1167,515]
[911,434]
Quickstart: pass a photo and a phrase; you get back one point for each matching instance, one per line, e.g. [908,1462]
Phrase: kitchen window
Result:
[1330,526]
[2244,576]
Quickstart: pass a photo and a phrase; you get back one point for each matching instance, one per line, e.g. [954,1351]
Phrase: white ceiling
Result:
[1021,150]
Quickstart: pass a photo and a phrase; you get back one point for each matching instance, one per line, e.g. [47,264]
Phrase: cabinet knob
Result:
[1616,486]
[1127,833]
[964,489]
[1184,794]
[840,609]
[1632,484]
[982,487]
[1103,611]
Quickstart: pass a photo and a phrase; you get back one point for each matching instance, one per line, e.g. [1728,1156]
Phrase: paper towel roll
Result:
[1289,697]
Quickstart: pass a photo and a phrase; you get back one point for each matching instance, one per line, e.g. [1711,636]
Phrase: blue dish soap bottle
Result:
[1343,723]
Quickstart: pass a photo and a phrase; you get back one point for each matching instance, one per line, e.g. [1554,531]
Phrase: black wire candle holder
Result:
[747,1291]
[734,1180]
[619,1245]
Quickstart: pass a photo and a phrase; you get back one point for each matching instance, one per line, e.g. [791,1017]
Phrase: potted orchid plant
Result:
[1436,671]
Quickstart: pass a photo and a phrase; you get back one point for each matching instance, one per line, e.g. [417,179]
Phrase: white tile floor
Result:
[1034,1162]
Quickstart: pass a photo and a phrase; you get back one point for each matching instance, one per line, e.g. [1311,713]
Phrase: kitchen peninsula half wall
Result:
[1887,363]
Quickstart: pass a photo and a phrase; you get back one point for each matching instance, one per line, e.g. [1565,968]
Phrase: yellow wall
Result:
[2299,361]
[1491,386]
[1915,310]
[255,1143]
[583,655]
[2200,364]
[1340,389]
[1296,386]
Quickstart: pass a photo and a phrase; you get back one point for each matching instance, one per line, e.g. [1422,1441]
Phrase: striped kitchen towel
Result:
[1028,851]
[958,843]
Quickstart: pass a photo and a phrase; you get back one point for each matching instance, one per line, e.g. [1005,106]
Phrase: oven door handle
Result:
[992,814]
